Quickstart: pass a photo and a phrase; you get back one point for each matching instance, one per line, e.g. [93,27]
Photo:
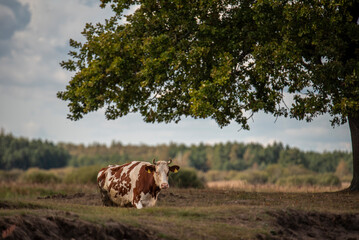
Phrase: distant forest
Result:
[23,153]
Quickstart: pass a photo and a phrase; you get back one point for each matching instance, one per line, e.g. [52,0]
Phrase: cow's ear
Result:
[150,169]
[174,168]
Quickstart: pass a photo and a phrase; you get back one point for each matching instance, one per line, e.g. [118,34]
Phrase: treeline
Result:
[22,153]
[228,156]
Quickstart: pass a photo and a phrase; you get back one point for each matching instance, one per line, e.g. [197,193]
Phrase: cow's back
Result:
[119,183]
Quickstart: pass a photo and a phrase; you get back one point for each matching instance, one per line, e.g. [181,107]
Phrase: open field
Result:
[65,211]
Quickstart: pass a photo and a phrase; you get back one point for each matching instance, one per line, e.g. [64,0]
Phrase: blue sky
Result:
[34,38]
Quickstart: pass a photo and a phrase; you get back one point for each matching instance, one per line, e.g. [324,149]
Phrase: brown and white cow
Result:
[134,184]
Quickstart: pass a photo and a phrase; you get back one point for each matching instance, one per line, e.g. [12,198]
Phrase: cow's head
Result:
[160,171]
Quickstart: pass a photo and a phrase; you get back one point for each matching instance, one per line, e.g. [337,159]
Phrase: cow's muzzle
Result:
[164,186]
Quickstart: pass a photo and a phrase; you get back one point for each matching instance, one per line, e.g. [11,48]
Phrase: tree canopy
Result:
[218,59]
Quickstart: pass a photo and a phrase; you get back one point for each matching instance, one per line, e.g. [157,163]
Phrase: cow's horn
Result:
[154,161]
[169,161]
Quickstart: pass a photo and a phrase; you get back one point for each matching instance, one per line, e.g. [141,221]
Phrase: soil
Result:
[65,225]
[78,198]
[294,224]
[58,227]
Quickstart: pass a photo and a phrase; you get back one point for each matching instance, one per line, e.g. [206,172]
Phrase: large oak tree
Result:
[221,59]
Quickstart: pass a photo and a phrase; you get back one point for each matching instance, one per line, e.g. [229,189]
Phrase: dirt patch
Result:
[63,196]
[17,205]
[295,224]
[56,227]
[77,198]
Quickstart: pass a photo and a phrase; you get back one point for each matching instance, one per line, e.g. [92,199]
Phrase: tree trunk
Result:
[354,131]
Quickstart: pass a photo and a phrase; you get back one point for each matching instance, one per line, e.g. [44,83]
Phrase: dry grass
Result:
[244,186]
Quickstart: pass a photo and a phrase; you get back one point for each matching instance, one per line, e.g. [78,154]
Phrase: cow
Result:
[134,184]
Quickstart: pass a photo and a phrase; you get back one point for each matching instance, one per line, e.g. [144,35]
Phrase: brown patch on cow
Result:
[102,177]
[145,184]
[116,171]
[123,185]
[132,167]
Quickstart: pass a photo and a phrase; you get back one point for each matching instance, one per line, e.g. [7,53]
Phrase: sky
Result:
[34,39]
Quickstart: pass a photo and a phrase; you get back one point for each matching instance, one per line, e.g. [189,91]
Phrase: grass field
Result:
[65,211]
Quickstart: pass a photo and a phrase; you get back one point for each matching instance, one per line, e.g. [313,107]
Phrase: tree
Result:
[292,156]
[198,157]
[224,60]
[22,153]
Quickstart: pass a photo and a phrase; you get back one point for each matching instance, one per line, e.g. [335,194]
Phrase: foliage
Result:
[10,175]
[185,178]
[232,157]
[218,59]
[294,175]
[118,153]
[217,175]
[254,177]
[22,153]
[228,156]
[39,176]
[310,180]
[83,175]
[342,169]
[198,157]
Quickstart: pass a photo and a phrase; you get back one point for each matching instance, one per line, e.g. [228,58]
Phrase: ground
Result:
[76,212]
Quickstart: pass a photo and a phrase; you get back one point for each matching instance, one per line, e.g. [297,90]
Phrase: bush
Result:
[83,175]
[35,175]
[10,175]
[217,175]
[276,172]
[346,178]
[297,181]
[214,175]
[310,180]
[254,177]
[185,178]
[329,179]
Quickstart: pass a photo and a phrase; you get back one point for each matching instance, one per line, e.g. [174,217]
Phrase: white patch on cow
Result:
[146,200]
[138,205]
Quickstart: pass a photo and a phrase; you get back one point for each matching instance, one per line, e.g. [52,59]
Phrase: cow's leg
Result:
[105,198]
[138,205]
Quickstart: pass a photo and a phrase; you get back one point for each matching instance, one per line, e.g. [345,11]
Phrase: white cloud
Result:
[306,131]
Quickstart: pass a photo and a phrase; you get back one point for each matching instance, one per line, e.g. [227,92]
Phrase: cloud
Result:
[14,16]
[39,48]
[90,3]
